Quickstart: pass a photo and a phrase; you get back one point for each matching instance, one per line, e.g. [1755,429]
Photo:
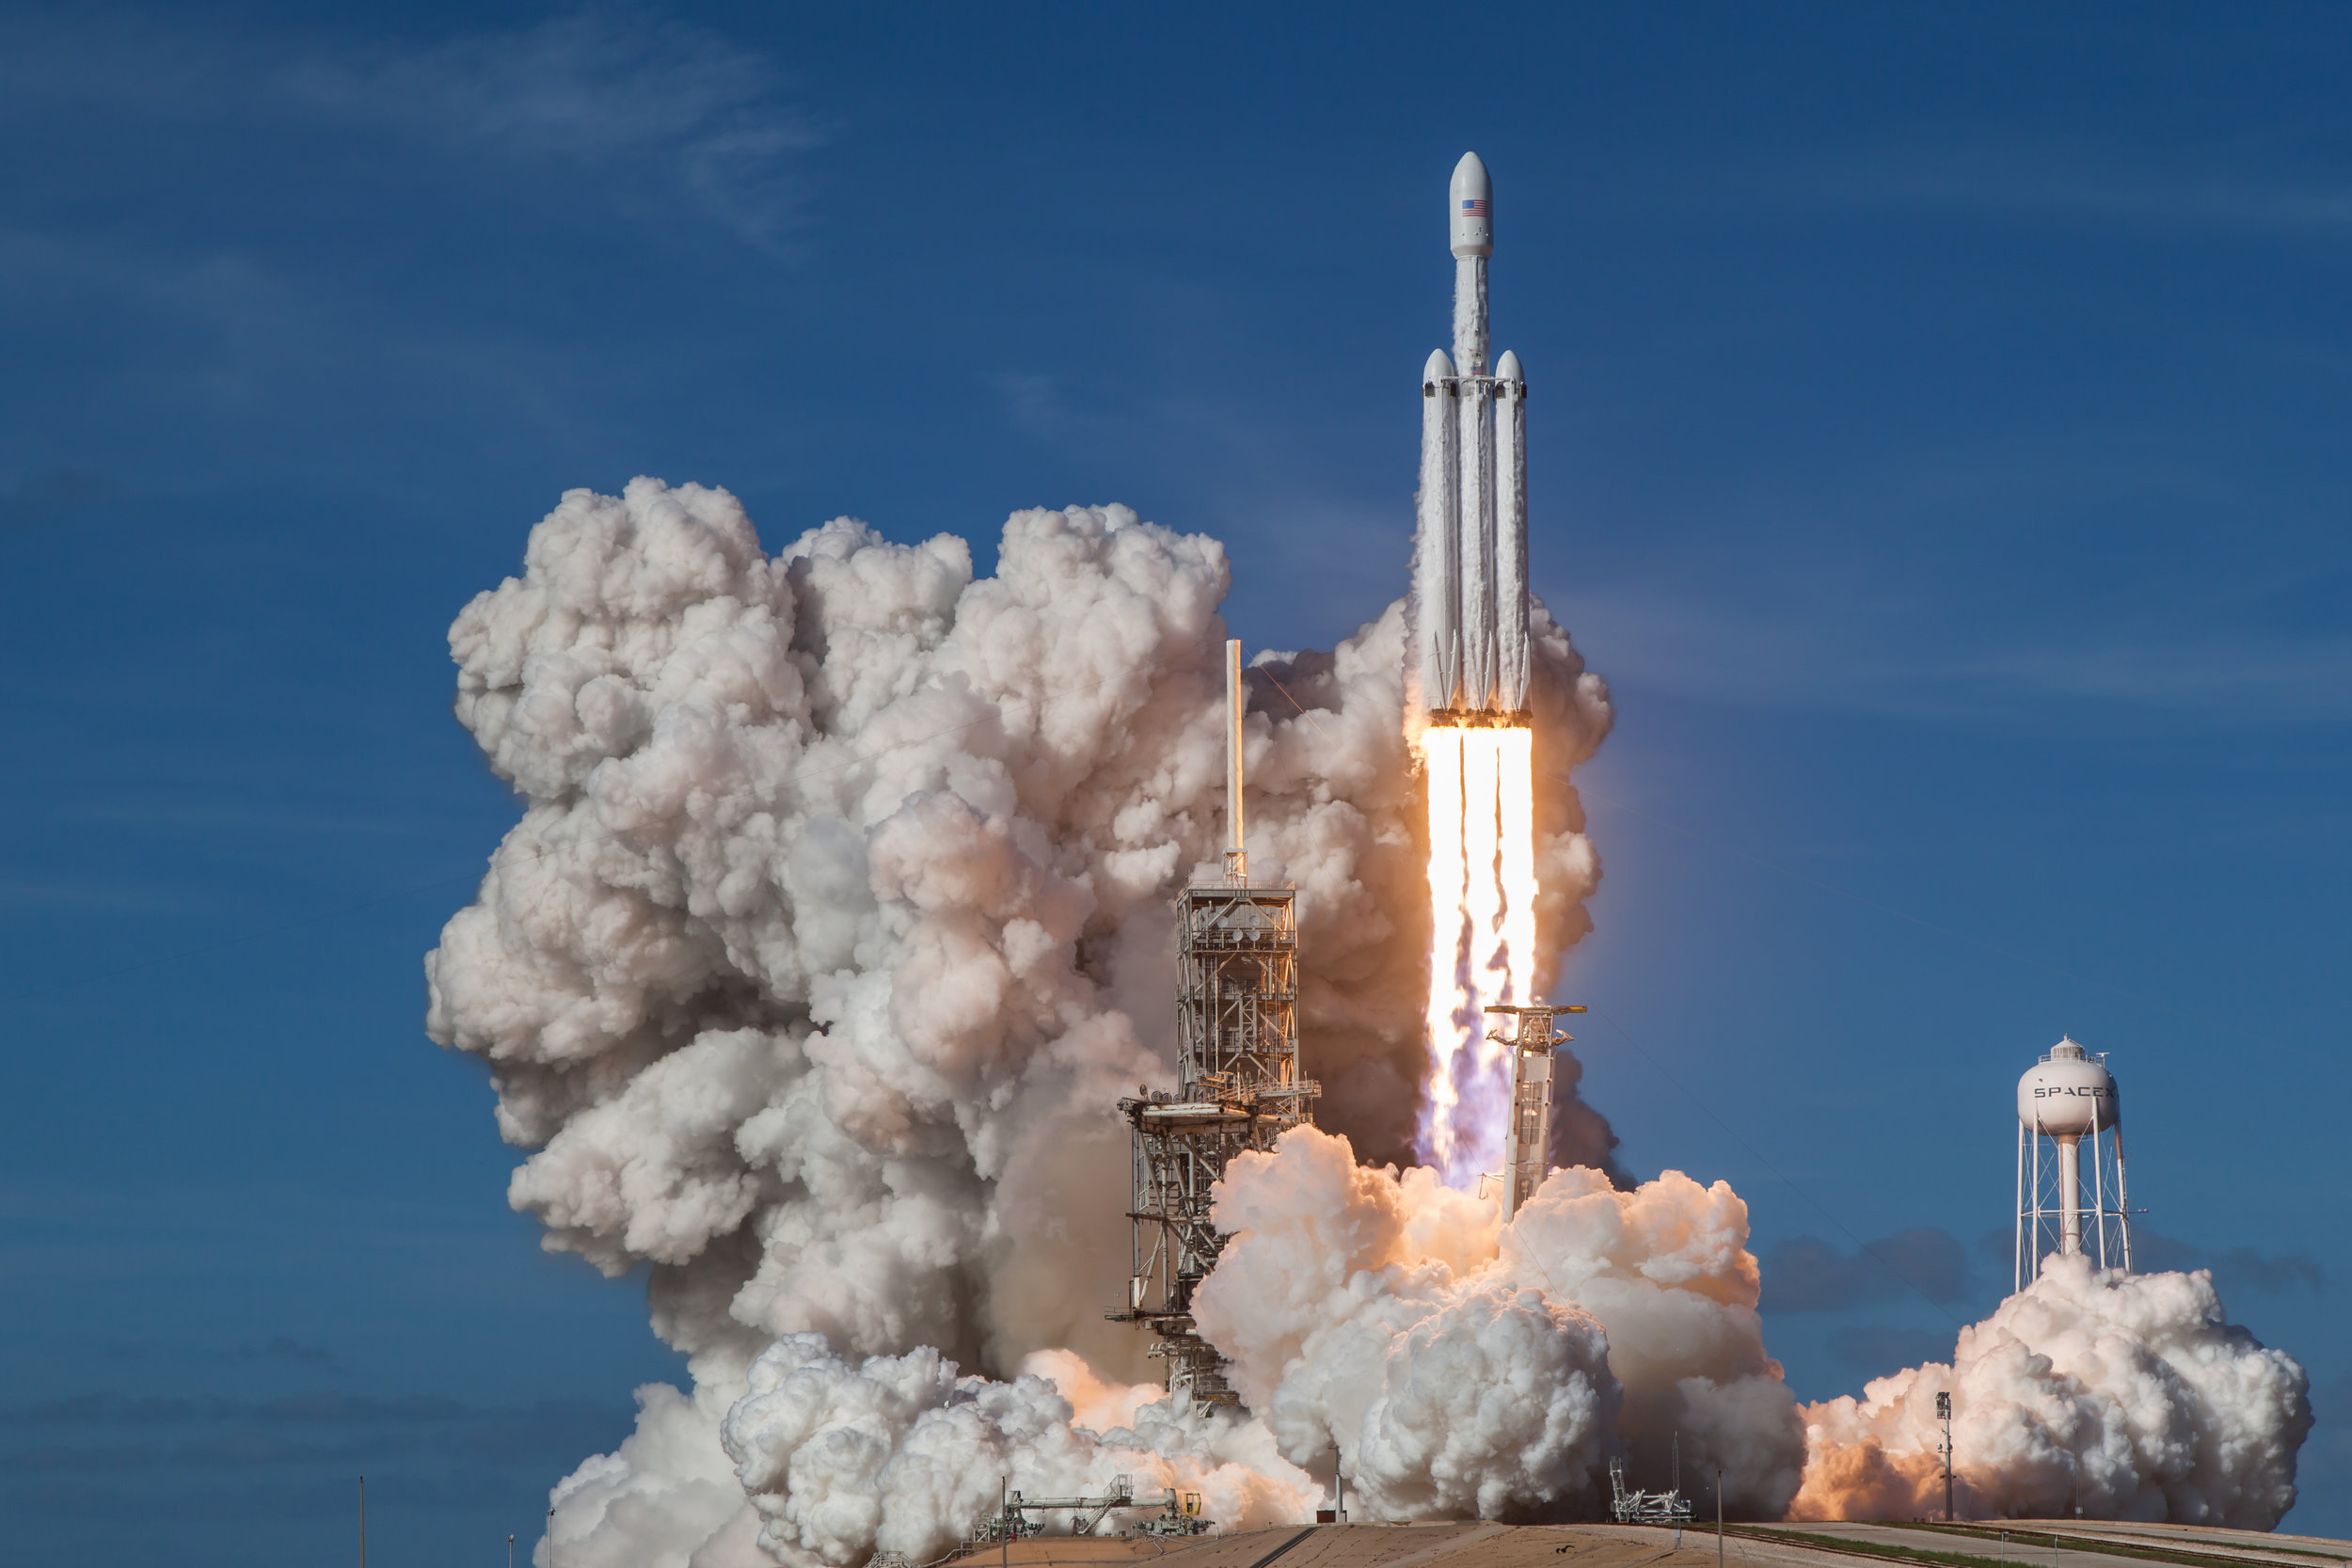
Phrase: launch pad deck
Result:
[2079,1544]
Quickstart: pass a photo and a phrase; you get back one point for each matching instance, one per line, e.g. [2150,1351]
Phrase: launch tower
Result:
[1237,1085]
[2066,1099]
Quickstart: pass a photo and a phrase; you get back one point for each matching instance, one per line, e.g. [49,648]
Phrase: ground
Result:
[2025,1543]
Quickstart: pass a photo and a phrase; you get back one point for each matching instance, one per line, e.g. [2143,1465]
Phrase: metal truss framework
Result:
[1237,1087]
[2101,1216]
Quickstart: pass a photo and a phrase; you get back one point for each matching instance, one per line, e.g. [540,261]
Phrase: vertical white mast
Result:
[1236,856]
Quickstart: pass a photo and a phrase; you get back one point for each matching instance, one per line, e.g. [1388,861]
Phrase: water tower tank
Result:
[2066,1094]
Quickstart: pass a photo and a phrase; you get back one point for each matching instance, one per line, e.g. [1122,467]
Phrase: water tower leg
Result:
[2017,1241]
[2069,1196]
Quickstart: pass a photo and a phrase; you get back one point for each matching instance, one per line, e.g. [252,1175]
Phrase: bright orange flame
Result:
[1481,903]
[1441,758]
[1482,898]
[1514,802]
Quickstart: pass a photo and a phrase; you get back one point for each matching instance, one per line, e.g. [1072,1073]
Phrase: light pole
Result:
[510,1552]
[1718,1517]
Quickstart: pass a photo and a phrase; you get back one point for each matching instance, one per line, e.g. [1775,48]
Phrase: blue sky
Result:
[1938,441]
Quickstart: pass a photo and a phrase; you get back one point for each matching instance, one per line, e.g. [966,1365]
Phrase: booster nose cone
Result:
[1471,197]
[1507,368]
[1439,368]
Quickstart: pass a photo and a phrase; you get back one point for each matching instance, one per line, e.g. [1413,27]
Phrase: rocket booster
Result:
[1470,568]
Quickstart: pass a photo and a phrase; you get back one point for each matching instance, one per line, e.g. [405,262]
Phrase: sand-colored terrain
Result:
[2030,1544]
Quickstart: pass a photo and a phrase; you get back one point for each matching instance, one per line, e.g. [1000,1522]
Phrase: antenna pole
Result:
[1236,857]
[363,1522]
[1944,1413]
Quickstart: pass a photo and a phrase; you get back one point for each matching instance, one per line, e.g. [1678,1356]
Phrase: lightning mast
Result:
[1237,1085]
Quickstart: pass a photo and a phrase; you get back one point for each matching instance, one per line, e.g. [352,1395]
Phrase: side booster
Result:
[1469,571]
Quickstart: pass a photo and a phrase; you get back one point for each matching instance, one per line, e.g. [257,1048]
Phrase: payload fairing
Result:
[1469,572]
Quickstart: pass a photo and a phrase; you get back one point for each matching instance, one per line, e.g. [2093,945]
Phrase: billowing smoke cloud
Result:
[901,1453]
[668,1497]
[835,923]
[2128,1396]
[1459,1367]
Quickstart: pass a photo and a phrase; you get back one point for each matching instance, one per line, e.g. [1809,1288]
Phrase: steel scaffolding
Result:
[1237,1087]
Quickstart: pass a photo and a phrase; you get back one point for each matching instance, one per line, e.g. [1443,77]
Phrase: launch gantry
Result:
[1237,1087]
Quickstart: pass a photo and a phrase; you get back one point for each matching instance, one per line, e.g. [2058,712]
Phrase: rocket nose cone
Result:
[1471,201]
[1439,368]
[1469,177]
[1507,368]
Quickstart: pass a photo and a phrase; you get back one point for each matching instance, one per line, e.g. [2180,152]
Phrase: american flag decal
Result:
[1474,206]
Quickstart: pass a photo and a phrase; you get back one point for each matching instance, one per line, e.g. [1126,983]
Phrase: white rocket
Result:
[1469,572]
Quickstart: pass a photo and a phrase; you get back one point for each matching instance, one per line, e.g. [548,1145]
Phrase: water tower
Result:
[2066,1100]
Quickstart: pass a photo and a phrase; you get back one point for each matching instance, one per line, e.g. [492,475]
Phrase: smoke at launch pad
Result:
[835,925]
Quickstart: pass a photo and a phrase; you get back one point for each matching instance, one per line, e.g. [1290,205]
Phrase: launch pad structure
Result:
[1238,1086]
[1179,1516]
[1527,1137]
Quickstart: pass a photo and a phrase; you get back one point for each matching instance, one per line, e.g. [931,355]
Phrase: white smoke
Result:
[1461,1366]
[902,1453]
[837,923]
[835,926]
[2129,1396]
[668,1498]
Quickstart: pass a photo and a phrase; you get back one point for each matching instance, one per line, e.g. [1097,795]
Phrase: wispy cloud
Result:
[592,90]
[645,104]
[1033,404]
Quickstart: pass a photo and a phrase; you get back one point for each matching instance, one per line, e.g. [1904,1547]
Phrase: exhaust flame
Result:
[1482,898]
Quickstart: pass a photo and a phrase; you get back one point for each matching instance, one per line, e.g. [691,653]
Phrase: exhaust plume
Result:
[835,924]
[833,927]
[901,1453]
[1461,1366]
